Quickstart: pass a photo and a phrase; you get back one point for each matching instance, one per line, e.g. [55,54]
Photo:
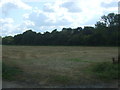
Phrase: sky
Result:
[17,16]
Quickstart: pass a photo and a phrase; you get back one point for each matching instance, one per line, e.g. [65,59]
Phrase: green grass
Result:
[10,72]
[79,60]
[60,79]
[106,71]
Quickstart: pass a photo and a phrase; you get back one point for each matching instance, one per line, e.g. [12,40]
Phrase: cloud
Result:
[111,6]
[38,18]
[48,7]
[8,27]
[28,23]
[8,5]
[108,5]
[47,19]
[108,1]
[54,14]
[71,6]
[6,20]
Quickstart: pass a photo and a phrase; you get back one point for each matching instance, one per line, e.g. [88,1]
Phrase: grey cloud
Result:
[12,5]
[47,9]
[112,4]
[71,6]
[40,19]
[62,22]
[7,7]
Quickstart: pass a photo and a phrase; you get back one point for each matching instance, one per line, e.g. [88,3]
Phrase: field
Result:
[58,66]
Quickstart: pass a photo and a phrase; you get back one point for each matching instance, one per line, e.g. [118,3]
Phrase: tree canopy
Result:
[105,33]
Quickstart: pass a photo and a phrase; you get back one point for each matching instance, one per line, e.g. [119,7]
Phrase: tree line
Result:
[105,33]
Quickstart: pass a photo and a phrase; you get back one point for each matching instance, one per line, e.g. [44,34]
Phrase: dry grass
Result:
[56,65]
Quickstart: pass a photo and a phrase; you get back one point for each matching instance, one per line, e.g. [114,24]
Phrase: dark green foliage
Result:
[9,72]
[106,71]
[105,33]
[8,40]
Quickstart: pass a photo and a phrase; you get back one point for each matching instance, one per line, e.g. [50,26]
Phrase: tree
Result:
[88,30]
[105,33]
[109,20]
[17,39]
[8,40]
[28,38]
[100,25]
